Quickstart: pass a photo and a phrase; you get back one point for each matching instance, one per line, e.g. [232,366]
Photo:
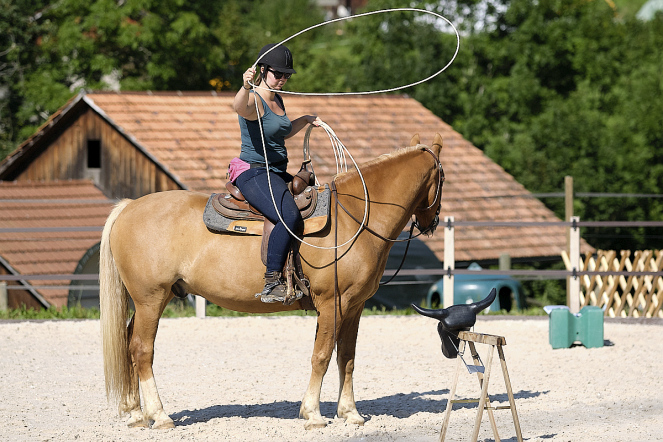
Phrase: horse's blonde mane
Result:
[376,162]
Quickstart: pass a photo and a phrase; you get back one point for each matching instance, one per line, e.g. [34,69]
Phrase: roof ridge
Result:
[162,93]
[232,93]
[47,183]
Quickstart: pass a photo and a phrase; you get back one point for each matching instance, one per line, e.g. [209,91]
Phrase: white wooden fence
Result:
[626,288]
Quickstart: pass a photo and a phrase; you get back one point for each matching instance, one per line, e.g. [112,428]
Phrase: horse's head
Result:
[427,213]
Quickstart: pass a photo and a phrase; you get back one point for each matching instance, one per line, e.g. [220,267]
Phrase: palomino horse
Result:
[158,245]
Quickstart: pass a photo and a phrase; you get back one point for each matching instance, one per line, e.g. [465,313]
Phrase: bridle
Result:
[415,223]
[438,194]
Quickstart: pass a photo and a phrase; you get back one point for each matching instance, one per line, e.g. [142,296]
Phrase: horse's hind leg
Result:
[141,347]
[345,357]
[131,402]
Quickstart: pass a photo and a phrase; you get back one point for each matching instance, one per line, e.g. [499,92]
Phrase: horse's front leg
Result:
[141,348]
[322,350]
[347,343]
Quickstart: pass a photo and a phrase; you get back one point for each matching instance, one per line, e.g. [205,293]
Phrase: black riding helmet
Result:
[280,58]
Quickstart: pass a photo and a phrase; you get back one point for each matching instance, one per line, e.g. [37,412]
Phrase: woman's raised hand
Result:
[314,120]
[248,77]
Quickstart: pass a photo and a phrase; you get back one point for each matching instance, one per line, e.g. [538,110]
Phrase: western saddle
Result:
[247,219]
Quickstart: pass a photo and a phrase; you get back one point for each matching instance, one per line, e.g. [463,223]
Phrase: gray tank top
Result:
[275,128]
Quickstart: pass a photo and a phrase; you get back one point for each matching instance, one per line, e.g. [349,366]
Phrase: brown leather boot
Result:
[274,290]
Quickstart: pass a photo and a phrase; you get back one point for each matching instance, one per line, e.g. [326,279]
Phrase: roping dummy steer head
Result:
[454,319]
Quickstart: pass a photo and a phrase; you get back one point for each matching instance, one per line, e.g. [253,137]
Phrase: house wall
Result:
[125,171]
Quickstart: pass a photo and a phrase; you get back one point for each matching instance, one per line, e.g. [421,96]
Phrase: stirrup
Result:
[269,298]
[296,296]
[267,295]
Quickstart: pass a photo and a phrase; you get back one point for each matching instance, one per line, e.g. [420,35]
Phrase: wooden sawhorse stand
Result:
[484,402]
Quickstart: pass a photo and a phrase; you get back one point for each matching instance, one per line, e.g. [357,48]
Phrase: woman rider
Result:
[249,172]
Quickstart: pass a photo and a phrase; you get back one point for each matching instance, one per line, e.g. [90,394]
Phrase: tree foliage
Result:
[564,87]
[547,88]
[51,50]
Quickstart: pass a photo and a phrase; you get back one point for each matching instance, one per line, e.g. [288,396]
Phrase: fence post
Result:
[568,213]
[449,262]
[200,307]
[505,261]
[574,258]
[3,296]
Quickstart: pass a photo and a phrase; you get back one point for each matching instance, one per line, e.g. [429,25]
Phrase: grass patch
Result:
[529,311]
[184,310]
[374,311]
[50,313]
[215,310]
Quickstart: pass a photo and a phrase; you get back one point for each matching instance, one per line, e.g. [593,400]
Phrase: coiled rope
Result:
[339,148]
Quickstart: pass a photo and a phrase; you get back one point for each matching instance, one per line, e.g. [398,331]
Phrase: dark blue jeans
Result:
[254,186]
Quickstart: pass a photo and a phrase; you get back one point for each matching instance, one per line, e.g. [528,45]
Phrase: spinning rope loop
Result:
[338,146]
[381,11]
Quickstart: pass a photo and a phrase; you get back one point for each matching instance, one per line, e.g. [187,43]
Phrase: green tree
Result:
[68,45]
[564,88]
[21,27]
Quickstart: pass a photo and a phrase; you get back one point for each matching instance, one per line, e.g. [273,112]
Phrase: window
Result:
[93,154]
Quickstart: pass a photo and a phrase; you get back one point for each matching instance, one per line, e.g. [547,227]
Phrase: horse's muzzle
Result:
[430,229]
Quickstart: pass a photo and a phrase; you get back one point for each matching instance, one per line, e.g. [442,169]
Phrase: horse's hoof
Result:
[138,424]
[315,423]
[163,425]
[354,418]
[137,420]
[351,416]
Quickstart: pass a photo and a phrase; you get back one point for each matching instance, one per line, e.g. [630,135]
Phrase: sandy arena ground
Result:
[242,379]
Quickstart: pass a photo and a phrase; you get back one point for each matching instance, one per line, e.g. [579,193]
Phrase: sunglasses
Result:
[279,75]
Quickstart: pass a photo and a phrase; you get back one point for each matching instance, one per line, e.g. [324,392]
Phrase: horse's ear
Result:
[415,140]
[437,141]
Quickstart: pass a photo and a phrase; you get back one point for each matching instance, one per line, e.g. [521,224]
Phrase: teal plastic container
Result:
[566,328]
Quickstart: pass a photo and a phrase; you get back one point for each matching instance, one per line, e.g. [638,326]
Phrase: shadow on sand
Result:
[399,406]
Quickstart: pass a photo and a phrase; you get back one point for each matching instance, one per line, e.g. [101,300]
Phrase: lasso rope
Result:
[381,11]
[338,147]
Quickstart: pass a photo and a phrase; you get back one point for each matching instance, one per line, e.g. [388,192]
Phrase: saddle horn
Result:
[455,318]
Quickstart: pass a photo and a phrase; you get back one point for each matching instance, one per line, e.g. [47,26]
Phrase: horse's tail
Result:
[114,306]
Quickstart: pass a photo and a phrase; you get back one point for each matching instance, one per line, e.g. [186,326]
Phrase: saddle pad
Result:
[318,220]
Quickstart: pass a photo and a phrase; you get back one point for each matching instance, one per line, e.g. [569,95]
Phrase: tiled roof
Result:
[195,135]
[68,204]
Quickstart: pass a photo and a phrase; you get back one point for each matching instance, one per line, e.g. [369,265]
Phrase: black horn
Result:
[456,318]
[478,306]
[438,314]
